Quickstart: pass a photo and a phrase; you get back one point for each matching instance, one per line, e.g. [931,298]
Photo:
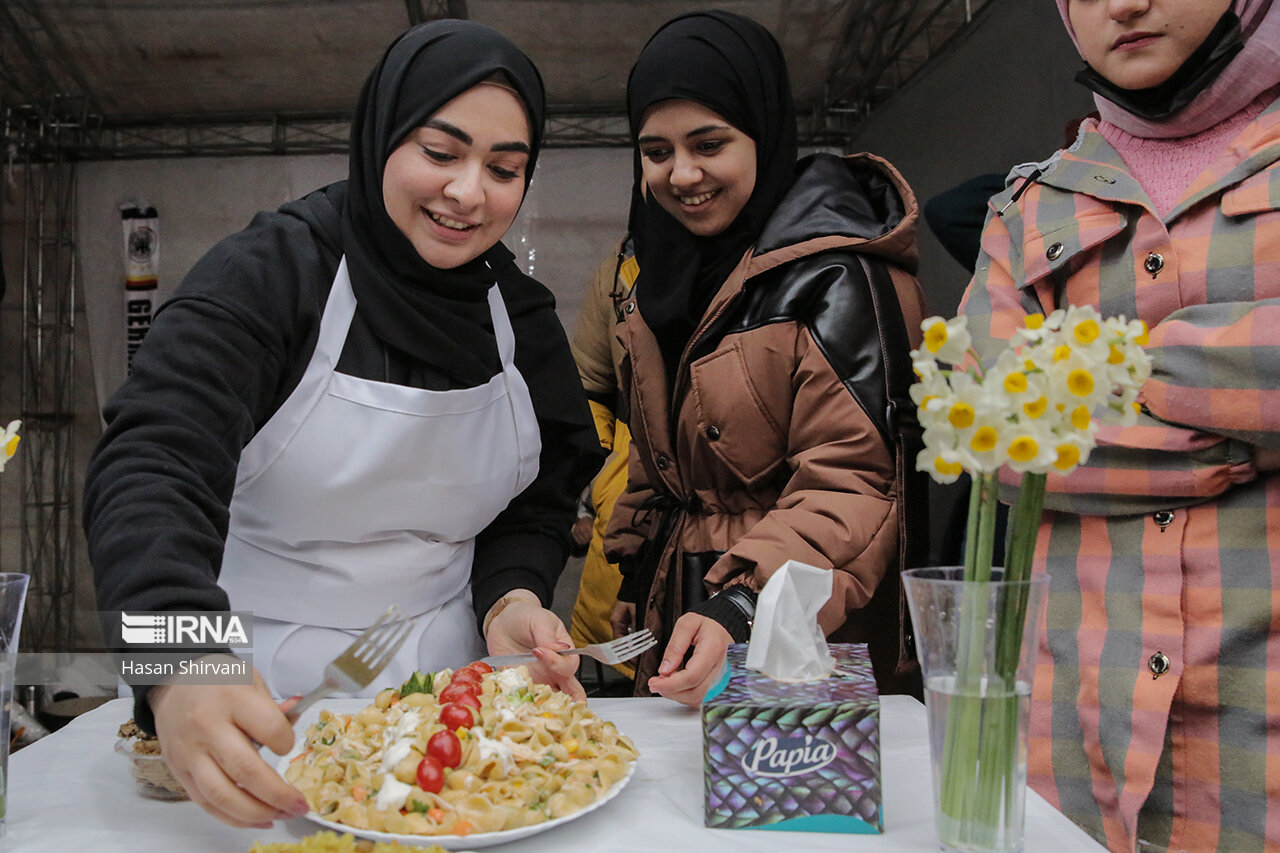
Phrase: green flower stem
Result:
[977,790]
[971,529]
[959,789]
[1024,526]
[979,544]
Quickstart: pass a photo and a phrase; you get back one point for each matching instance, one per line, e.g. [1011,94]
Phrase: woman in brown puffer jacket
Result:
[767,362]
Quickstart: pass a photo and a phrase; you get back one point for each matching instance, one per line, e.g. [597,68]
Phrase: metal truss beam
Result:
[49,522]
[82,136]
[884,44]
[36,141]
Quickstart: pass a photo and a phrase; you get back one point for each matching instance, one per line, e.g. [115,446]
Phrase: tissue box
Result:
[802,756]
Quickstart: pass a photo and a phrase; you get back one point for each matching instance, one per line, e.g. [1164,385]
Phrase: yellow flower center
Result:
[1080,382]
[1035,321]
[961,416]
[1023,449]
[1137,407]
[1080,417]
[1087,331]
[1068,457]
[984,439]
[1061,353]
[935,337]
[1035,408]
[1028,365]
[947,469]
[11,446]
[1142,339]
[1015,383]
[924,404]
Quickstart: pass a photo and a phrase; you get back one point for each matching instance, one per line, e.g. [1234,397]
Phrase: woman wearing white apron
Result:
[358,400]
[317,571]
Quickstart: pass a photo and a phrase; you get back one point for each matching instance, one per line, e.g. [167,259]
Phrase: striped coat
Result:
[1156,705]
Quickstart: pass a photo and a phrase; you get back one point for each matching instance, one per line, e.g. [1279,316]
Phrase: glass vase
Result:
[13,593]
[977,645]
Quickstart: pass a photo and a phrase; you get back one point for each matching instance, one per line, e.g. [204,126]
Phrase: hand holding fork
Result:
[211,733]
[614,651]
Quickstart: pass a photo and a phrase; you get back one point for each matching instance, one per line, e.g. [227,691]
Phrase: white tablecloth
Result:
[71,792]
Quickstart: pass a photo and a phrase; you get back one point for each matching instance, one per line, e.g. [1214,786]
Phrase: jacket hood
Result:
[859,201]
[321,210]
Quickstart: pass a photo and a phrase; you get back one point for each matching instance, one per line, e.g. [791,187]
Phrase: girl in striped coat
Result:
[1156,711]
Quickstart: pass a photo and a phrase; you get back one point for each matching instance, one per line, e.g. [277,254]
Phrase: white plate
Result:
[450,842]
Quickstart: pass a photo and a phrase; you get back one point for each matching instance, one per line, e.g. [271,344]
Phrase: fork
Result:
[614,651]
[361,662]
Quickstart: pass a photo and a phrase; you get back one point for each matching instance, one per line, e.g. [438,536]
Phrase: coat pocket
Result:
[732,419]
[1065,243]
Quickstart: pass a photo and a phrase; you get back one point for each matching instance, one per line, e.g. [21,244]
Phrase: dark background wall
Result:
[999,97]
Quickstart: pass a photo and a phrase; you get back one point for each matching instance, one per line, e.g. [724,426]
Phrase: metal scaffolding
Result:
[48,397]
[884,44]
[42,179]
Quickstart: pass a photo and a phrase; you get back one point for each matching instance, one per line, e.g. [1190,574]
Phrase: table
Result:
[70,791]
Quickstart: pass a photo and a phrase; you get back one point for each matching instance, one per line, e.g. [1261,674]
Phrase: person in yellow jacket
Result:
[597,351]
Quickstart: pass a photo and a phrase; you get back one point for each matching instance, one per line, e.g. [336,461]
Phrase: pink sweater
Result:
[1166,167]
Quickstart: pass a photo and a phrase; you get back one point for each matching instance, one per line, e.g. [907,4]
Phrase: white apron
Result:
[357,494]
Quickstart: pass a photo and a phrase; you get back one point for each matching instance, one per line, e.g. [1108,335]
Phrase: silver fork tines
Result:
[619,650]
[361,661]
[614,651]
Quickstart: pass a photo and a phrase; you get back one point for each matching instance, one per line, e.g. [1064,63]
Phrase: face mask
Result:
[1200,69]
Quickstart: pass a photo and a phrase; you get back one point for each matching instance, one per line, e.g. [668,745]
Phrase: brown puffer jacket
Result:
[783,441]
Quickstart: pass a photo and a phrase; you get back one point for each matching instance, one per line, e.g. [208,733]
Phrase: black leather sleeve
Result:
[734,608]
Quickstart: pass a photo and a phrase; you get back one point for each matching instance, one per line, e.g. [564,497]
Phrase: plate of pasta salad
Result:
[462,758]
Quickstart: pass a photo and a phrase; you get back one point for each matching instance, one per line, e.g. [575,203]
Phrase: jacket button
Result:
[713,432]
[1158,664]
[1154,263]
[1054,252]
[629,307]
[1163,518]
[662,462]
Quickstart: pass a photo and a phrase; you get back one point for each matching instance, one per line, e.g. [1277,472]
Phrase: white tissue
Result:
[786,642]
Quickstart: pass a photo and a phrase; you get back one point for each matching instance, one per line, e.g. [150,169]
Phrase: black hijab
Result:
[440,317]
[734,67]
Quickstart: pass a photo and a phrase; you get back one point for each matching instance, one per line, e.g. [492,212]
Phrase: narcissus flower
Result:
[1037,407]
[946,340]
[9,442]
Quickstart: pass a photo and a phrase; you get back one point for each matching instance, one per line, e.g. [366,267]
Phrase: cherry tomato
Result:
[457,689]
[455,716]
[465,676]
[471,700]
[480,667]
[430,775]
[445,747]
